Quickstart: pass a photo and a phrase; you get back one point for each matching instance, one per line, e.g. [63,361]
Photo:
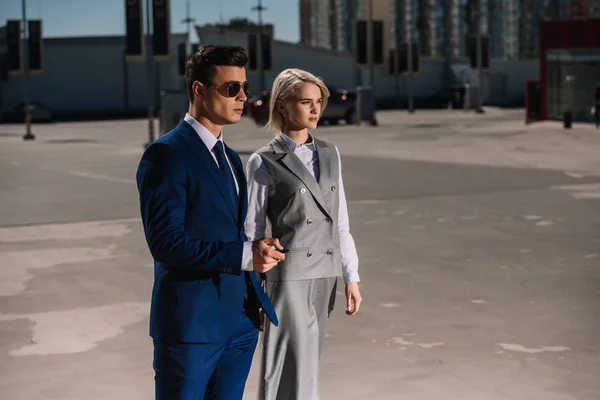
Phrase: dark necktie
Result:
[226,171]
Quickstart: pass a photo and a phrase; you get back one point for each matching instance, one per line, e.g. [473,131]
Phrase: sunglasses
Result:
[232,89]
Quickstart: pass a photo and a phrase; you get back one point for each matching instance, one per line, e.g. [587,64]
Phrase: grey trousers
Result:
[291,351]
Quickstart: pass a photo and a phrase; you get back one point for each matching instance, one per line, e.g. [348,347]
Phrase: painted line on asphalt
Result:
[91,175]
[102,177]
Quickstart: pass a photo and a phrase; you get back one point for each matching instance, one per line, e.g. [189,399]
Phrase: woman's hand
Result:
[353,298]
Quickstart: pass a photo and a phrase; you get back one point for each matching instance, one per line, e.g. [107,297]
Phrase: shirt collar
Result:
[293,145]
[207,137]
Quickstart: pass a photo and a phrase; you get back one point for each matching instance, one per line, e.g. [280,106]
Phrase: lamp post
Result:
[261,71]
[188,20]
[150,78]
[409,64]
[28,135]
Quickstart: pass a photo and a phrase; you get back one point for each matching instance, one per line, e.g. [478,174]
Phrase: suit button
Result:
[328,220]
[309,222]
[309,254]
[329,252]
[303,190]
[333,188]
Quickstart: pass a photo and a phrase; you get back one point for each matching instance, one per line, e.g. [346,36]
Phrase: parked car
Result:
[257,107]
[340,106]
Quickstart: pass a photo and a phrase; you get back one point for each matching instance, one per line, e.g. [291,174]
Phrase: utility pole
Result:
[371,49]
[261,70]
[396,62]
[479,59]
[188,21]
[28,135]
[409,64]
[149,72]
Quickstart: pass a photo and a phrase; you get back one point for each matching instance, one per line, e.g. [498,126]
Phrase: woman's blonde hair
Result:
[285,87]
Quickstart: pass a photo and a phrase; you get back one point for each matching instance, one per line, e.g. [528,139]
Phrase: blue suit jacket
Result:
[195,233]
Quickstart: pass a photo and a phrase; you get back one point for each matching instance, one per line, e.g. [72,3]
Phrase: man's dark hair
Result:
[201,66]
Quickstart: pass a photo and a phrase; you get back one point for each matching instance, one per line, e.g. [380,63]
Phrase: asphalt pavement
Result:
[478,238]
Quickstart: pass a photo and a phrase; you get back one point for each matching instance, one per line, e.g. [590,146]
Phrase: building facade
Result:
[440,26]
[317,23]
[330,24]
[503,28]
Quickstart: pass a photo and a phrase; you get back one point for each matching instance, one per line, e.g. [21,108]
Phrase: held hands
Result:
[353,298]
[264,257]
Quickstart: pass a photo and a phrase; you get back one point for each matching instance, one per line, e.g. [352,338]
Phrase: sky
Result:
[66,18]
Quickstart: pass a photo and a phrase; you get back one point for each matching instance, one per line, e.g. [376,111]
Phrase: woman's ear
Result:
[281,107]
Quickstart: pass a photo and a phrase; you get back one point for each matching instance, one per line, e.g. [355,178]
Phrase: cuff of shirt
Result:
[350,277]
[247,260]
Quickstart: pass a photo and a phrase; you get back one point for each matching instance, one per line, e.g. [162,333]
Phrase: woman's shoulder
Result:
[257,157]
[325,144]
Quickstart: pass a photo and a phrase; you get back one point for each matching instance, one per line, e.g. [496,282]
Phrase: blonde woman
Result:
[295,183]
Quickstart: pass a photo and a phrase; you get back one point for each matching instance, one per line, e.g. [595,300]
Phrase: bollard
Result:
[567,119]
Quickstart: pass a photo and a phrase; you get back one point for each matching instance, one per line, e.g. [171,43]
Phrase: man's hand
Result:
[261,318]
[264,257]
[353,298]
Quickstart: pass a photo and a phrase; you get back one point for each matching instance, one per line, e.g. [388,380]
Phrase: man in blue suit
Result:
[204,317]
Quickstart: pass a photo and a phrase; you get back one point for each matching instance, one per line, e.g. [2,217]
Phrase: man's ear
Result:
[198,89]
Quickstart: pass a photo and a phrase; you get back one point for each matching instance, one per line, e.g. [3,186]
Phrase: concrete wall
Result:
[337,69]
[504,83]
[426,83]
[87,75]
[90,75]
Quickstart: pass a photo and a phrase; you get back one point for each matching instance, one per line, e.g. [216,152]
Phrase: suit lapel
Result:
[203,153]
[325,168]
[295,166]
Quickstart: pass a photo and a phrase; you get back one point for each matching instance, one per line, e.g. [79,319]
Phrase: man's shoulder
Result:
[168,146]
[174,139]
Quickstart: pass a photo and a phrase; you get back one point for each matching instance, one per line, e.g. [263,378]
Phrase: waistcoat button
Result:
[309,222]
[333,188]
[303,190]
[309,254]
[329,252]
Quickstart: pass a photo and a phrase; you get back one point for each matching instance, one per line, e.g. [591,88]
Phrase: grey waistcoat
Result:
[303,213]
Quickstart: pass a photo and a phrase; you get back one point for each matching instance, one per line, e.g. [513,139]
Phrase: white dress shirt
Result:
[210,141]
[261,186]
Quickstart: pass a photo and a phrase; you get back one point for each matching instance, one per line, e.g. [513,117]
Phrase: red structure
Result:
[564,34]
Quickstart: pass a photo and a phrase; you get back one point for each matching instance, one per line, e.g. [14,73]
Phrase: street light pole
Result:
[28,135]
[188,21]
[149,72]
[396,63]
[261,70]
[479,60]
[409,65]
[371,50]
